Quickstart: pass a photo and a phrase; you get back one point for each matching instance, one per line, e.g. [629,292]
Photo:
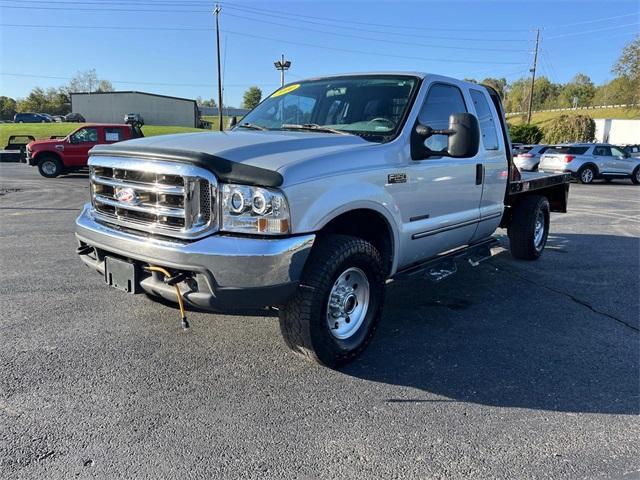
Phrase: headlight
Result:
[247,209]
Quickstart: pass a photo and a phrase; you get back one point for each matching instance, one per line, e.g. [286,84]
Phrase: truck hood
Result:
[36,144]
[271,150]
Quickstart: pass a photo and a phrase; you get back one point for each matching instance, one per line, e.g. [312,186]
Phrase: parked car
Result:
[589,161]
[58,118]
[134,119]
[313,208]
[74,117]
[30,118]
[56,156]
[527,157]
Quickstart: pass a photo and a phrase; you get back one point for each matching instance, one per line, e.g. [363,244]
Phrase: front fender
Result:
[314,205]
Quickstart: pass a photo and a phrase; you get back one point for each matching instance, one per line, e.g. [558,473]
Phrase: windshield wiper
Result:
[313,127]
[252,126]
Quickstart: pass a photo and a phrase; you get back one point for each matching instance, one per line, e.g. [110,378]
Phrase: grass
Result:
[543,118]
[46,130]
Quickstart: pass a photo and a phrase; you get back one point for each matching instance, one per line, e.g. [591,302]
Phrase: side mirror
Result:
[233,121]
[71,139]
[463,133]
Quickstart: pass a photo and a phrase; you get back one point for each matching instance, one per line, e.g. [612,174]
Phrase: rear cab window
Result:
[486,120]
[113,134]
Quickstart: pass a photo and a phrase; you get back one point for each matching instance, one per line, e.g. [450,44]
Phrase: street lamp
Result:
[282,65]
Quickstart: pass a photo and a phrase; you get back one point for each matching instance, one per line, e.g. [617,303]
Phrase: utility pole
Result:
[216,12]
[533,76]
[282,65]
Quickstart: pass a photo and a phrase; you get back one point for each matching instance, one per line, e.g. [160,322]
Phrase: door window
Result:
[602,151]
[442,100]
[85,135]
[617,152]
[485,118]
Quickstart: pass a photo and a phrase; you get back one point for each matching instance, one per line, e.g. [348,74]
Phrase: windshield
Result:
[371,106]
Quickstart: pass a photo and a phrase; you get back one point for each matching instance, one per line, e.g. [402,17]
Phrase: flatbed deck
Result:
[536,181]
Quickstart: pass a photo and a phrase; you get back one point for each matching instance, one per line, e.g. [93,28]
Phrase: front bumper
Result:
[228,272]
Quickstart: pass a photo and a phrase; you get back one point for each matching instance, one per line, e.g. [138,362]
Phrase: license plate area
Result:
[122,275]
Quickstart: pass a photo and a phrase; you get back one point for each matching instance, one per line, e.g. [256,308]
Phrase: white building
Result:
[111,107]
[620,132]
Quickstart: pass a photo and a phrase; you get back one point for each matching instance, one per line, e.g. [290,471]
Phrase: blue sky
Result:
[457,38]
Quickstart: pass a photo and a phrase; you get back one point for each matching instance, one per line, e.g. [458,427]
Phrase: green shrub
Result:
[570,128]
[528,134]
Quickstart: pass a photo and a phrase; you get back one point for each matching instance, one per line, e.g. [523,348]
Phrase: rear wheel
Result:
[334,314]
[586,174]
[635,176]
[529,228]
[50,166]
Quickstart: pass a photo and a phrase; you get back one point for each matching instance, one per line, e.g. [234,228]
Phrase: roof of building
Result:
[134,91]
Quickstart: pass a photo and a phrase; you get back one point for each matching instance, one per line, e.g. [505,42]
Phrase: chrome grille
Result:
[166,198]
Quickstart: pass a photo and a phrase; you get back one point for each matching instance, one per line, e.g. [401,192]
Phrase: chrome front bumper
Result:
[230,271]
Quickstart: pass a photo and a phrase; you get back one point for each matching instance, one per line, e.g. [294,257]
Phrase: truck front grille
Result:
[158,197]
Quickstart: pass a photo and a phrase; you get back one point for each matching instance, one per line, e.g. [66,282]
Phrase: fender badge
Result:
[397,178]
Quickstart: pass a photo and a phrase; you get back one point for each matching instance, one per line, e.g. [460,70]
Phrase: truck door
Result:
[440,196]
[76,151]
[494,164]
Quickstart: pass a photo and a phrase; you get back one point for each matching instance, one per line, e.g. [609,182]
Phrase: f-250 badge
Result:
[397,178]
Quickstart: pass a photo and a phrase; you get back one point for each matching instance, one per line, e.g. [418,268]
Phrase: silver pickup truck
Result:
[319,196]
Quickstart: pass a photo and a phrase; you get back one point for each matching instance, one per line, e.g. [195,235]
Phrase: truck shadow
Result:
[539,335]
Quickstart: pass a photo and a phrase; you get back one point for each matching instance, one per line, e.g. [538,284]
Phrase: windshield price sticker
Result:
[285,90]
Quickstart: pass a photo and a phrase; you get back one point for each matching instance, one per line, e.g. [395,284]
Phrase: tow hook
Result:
[84,249]
[173,280]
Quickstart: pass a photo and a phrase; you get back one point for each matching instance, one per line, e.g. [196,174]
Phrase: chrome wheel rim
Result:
[49,167]
[538,233]
[587,175]
[638,175]
[348,303]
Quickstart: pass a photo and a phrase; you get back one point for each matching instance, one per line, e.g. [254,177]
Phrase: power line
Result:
[278,40]
[592,21]
[298,20]
[377,39]
[585,32]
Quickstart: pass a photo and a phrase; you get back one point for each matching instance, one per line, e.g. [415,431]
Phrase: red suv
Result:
[62,155]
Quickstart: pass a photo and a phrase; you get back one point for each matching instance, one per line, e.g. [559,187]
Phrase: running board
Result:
[445,265]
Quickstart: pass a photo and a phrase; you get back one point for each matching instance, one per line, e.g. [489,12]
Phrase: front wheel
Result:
[334,314]
[50,167]
[529,228]
[635,176]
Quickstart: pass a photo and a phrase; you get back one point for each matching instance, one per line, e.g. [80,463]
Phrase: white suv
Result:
[588,161]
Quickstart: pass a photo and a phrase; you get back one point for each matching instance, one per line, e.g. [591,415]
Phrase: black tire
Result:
[608,180]
[523,242]
[586,174]
[303,320]
[635,176]
[50,166]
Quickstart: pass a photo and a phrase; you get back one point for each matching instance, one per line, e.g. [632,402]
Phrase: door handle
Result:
[479,174]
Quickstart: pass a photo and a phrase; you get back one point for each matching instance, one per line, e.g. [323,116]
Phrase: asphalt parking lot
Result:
[508,370]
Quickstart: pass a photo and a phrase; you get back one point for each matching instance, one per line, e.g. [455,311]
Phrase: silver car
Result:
[527,157]
[589,161]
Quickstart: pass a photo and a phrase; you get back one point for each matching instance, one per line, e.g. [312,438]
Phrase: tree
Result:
[54,101]
[570,128]
[7,108]
[618,91]
[528,134]
[580,90]
[498,84]
[206,103]
[104,86]
[545,94]
[251,97]
[628,65]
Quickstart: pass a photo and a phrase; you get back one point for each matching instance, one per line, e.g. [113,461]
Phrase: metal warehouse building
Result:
[111,107]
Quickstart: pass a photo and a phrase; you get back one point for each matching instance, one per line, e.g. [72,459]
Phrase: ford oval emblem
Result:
[127,195]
